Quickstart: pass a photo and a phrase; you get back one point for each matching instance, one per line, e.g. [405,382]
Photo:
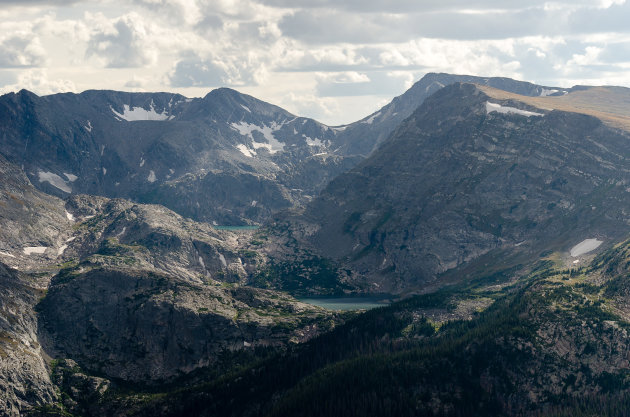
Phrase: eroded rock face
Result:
[33,225]
[118,232]
[24,379]
[146,295]
[144,326]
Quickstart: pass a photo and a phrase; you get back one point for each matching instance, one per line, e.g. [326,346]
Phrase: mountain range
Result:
[152,246]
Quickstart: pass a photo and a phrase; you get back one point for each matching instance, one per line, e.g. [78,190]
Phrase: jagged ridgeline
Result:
[502,203]
[226,158]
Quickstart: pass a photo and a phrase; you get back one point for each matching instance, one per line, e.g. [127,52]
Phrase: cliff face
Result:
[146,295]
[148,327]
[24,377]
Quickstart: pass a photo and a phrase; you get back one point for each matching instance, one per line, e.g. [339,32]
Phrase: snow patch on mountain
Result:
[273,145]
[313,142]
[246,108]
[493,107]
[246,151]
[71,177]
[88,127]
[546,92]
[134,114]
[61,250]
[370,119]
[7,254]
[585,246]
[54,180]
[151,178]
[29,250]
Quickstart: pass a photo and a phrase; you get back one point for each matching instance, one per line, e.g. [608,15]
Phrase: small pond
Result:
[347,303]
[236,228]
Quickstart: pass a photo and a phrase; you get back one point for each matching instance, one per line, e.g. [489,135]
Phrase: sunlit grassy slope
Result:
[610,104]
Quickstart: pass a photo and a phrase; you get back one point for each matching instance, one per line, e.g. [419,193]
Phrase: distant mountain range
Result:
[227,158]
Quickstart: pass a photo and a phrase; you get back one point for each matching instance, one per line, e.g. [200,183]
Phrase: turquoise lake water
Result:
[346,303]
[236,228]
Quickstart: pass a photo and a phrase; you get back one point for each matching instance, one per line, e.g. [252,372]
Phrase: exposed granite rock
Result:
[24,379]
[144,326]
[33,225]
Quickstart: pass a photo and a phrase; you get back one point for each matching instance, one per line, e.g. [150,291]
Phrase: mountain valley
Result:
[154,250]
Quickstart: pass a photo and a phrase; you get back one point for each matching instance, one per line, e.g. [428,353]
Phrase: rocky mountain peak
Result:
[467,175]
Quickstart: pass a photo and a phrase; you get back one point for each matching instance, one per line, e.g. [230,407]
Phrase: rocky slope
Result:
[147,295]
[469,175]
[24,377]
[32,225]
[129,291]
[365,135]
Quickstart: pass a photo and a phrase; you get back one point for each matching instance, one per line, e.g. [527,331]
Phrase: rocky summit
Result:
[152,248]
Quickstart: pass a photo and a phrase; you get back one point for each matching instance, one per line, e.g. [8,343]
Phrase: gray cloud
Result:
[379,83]
[612,19]
[7,77]
[615,53]
[209,22]
[20,51]
[48,2]
[401,6]
[331,25]
[214,71]
[411,6]
[126,48]
[195,72]
[327,26]
[173,12]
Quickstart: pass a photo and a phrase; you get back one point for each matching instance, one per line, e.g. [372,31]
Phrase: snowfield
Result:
[246,151]
[585,246]
[493,107]
[135,114]
[273,145]
[54,180]
[35,249]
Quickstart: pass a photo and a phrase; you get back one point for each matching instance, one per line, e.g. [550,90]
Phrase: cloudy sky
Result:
[334,60]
